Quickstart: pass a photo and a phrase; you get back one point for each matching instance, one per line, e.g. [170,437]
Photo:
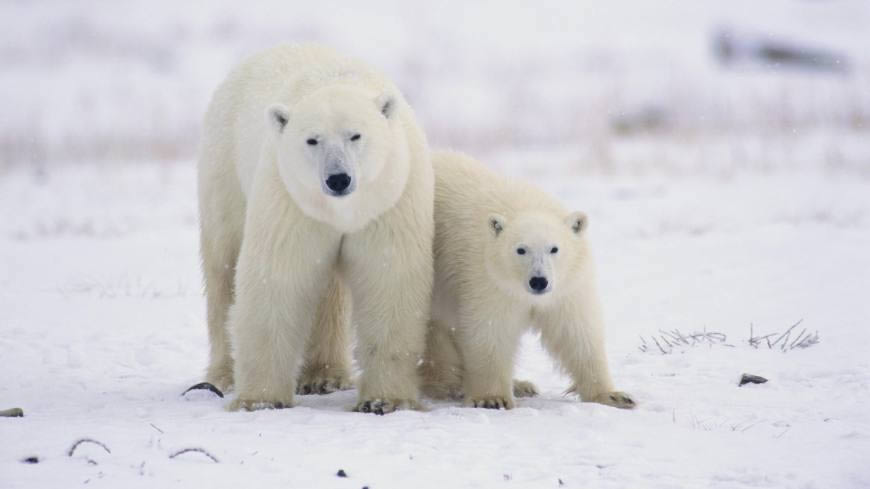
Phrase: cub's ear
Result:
[386,103]
[496,224]
[577,221]
[277,116]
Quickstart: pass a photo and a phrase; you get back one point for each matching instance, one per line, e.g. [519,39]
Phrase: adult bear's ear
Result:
[496,224]
[277,116]
[577,221]
[386,103]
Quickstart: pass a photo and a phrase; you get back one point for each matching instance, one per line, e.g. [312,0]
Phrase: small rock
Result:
[752,379]
[12,413]
[33,459]
[341,473]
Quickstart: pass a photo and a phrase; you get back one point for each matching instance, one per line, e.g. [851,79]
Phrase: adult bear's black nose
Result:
[538,284]
[338,182]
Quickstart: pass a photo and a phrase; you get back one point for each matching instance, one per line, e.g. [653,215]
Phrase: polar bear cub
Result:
[316,201]
[509,257]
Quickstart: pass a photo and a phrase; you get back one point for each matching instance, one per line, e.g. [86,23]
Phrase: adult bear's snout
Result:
[338,183]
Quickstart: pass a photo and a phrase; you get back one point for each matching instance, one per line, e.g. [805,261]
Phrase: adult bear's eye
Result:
[554,250]
[355,137]
[311,142]
[521,251]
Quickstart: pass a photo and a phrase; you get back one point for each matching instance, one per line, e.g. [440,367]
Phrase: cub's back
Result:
[467,191]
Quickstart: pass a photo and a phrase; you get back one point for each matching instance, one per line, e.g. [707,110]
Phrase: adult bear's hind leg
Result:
[327,357]
[221,216]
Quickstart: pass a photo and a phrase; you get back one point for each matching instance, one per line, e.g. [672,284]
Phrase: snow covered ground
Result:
[103,327]
[722,198]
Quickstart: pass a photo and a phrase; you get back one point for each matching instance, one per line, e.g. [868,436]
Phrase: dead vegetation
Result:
[667,342]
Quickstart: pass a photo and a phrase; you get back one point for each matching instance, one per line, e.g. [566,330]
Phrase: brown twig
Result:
[75,445]
[195,449]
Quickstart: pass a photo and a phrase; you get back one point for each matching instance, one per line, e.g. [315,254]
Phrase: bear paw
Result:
[257,405]
[616,399]
[491,402]
[385,406]
[322,380]
[524,388]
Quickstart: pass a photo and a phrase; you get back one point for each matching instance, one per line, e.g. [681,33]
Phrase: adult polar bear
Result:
[314,185]
[508,256]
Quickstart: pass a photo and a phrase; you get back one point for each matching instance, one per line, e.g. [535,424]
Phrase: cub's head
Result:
[337,143]
[535,254]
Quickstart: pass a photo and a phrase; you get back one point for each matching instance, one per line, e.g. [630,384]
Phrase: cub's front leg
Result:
[488,337]
[573,333]
[285,265]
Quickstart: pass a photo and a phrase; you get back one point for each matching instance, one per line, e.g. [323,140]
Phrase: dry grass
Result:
[667,342]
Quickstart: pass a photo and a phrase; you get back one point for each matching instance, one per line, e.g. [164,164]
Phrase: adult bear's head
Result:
[342,153]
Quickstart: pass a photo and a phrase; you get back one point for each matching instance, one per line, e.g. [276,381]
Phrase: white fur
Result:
[482,300]
[282,257]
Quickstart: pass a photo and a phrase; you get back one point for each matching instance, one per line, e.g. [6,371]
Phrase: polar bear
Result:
[509,257]
[316,201]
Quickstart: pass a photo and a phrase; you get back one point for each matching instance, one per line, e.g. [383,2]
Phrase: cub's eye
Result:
[554,250]
[311,142]
[521,251]
[355,137]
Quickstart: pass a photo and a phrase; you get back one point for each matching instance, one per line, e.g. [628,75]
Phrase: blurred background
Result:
[678,87]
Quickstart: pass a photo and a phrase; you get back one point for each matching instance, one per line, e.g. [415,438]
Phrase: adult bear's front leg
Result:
[388,267]
[286,263]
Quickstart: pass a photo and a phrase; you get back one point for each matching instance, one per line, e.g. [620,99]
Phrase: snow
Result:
[719,200]
[103,327]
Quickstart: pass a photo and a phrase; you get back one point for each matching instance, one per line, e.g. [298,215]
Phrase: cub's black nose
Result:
[538,284]
[338,182]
